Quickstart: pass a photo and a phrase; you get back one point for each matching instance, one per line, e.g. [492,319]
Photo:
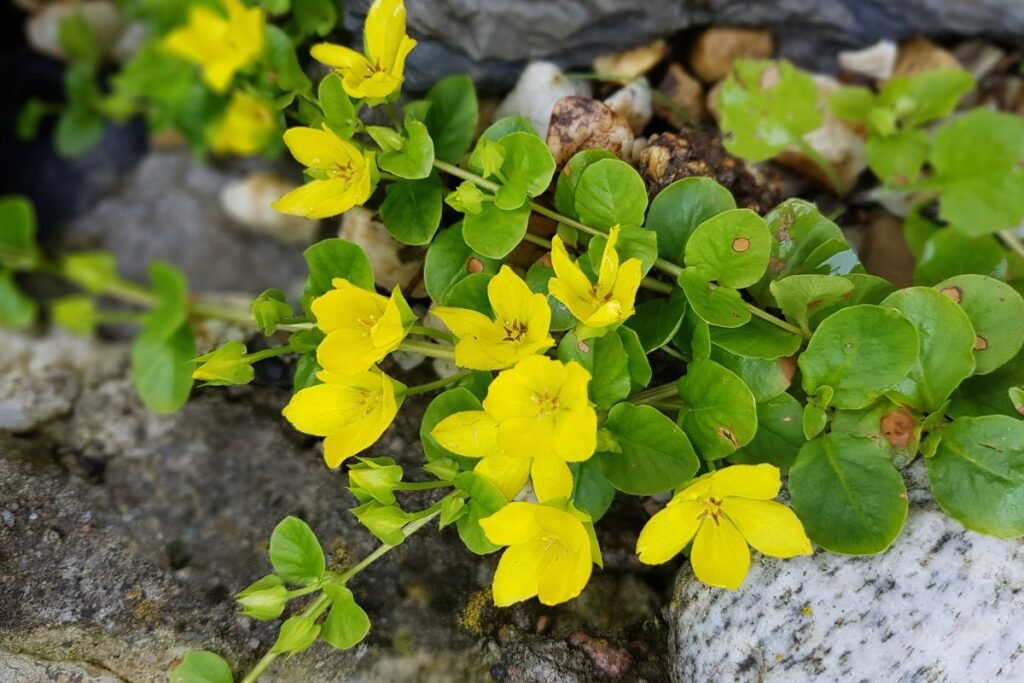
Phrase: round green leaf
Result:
[346,624]
[569,179]
[757,339]
[990,394]
[892,428]
[527,169]
[633,242]
[333,258]
[611,192]
[162,368]
[848,495]
[448,262]
[657,320]
[861,352]
[295,552]
[605,359]
[996,312]
[949,252]
[779,435]
[731,247]
[495,232]
[766,378]
[722,415]
[799,295]
[415,158]
[471,292]
[484,500]
[452,116]
[678,209]
[508,125]
[17,309]
[946,337]
[977,474]
[720,306]
[411,210]
[655,454]
[592,492]
[200,666]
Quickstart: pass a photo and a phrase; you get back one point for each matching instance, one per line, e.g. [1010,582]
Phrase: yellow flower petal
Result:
[390,330]
[383,32]
[317,199]
[569,275]
[514,393]
[323,409]
[668,531]
[339,57]
[609,267]
[472,433]
[747,481]
[564,575]
[317,148]
[572,395]
[463,322]
[514,524]
[575,437]
[353,439]
[348,351]
[510,296]
[347,306]
[720,556]
[551,477]
[518,573]
[626,285]
[506,473]
[772,528]
[525,437]
[560,524]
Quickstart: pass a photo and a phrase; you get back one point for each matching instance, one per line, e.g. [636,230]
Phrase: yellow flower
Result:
[519,330]
[361,326]
[378,73]
[474,434]
[220,46]
[351,411]
[608,302]
[550,553]
[246,127]
[342,175]
[722,512]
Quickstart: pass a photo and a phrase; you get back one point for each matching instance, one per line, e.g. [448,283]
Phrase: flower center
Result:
[514,331]
[553,543]
[547,404]
[712,509]
[368,401]
[343,171]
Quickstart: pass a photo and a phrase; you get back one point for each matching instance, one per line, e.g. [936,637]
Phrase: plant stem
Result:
[432,332]
[658,393]
[267,353]
[316,608]
[1012,241]
[437,384]
[427,349]
[661,264]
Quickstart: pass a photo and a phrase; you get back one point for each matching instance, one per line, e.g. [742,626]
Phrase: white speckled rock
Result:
[541,85]
[942,604]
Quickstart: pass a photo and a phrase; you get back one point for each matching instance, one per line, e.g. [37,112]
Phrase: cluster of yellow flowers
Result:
[536,417]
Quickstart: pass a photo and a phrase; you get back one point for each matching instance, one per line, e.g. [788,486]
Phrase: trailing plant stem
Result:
[1012,241]
[428,349]
[317,607]
[655,394]
[437,384]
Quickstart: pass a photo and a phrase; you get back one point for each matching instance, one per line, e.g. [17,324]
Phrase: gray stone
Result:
[492,40]
[169,208]
[942,604]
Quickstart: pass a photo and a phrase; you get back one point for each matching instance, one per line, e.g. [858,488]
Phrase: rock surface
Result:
[942,604]
[492,40]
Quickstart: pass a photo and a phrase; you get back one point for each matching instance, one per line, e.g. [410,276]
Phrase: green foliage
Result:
[452,116]
[722,415]
[296,553]
[610,192]
[677,210]
[653,453]
[411,210]
[200,666]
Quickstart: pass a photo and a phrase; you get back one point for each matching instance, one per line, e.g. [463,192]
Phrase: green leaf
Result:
[508,125]
[224,366]
[449,260]
[447,403]
[633,242]
[526,171]
[722,415]
[610,192]
[296,635]
[606,360]
[891,428]
[760,121]
[305,372]
[295,552]
[26,126]
[779,434]
[471,292]
[18,247]
[17,310]
[848,495]
[411,210]
[640,372]
[91,270]
[592,492]
[927,96]
[284,62]
[990,394]
[162,368]
[264,599]
[77,38]
[569,179]
[537,278]
[756,339]
[731,247]
[339,112]
[77,131]
[766,378]
[898,158]
[977,161]
[946,357]
[314,17]
[656,321]
[861,352]
[269,309]
[200,666]
[171,290]
[656,455]
[694,337]
[346,624]
[995,310]
[333,258]
[415,158]
[386,522]
[867,289]
[949,252]
[678,209]
[484,500]
[495,232]
[814,420]
[451,510]
[798,295]
[76,314]
[452,117]
[798,230]
[977,474]
[721,306]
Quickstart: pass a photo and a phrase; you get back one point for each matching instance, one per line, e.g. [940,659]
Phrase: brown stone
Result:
[685,98]
[884,251]
[695,152]
[632,63]
[920,55]
[579,123]
[715,51]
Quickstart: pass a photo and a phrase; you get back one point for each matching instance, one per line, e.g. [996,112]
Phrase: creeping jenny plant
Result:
[777,355]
